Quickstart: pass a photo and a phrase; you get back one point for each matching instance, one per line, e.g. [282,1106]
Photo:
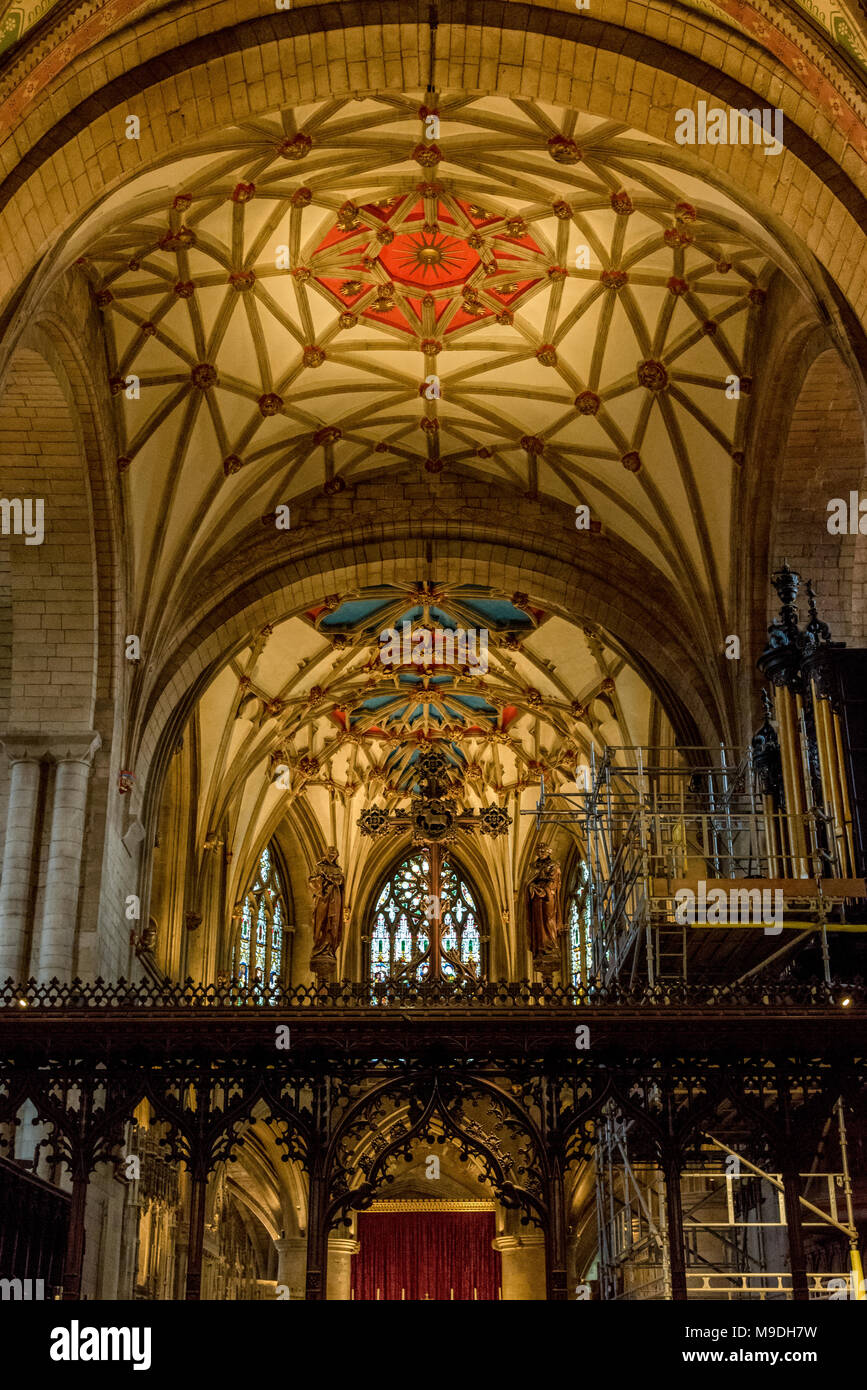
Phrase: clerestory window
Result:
[258,954]
[403,918]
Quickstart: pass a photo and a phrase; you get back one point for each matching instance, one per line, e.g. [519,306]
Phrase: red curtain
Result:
[428,1255]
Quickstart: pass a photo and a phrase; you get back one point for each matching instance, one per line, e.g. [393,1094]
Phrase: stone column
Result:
[340,1253]
[129,1241]
[292,1264]
[18,853]
[63,873]
[523,1260]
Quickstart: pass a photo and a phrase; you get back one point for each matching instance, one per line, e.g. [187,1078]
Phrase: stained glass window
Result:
[258,955]
[399,931]
[580,941]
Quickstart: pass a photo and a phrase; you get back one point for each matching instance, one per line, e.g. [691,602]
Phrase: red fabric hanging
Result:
[427,1254]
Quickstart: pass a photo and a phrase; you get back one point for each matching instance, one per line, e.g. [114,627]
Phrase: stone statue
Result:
[544,915]
[327,885]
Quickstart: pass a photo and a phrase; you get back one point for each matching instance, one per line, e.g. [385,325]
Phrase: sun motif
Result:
[428,258]
[427,255]
[431,251]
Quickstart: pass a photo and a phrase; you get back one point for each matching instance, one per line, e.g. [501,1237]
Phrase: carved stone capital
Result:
[343,1245]
[290,1245]
[509,1245]
[71,746]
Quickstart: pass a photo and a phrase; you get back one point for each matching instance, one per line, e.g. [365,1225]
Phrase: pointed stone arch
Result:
[391,861]
[528,50]
[825,458]
[59,653]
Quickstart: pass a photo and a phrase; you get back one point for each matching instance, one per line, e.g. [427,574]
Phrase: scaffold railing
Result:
[660,823]
[734,1226]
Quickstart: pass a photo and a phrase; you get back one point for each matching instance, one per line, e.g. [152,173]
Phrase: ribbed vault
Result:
[306,727]
[532,296]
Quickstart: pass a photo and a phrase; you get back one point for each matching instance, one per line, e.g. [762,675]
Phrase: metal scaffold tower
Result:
[694,871]
[734,1224]
[699,873]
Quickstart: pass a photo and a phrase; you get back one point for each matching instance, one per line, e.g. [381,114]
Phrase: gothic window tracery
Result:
[578,921]
[258,954]
[402,919]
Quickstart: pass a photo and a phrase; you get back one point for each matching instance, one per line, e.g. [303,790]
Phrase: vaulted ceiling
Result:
[509,290]
[309,723]
[17,17]
[467,286]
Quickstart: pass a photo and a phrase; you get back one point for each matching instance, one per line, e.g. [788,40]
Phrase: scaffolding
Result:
[661,824]
[734,1227]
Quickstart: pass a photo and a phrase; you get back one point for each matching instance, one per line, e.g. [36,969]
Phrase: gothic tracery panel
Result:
[258,953]
[403,914]
[578,922]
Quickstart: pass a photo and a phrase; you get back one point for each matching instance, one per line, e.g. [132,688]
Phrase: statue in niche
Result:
[328,923]
[544,913]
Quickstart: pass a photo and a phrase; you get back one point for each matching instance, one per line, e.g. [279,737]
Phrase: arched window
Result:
[580,940]
[258,955]
[399,930]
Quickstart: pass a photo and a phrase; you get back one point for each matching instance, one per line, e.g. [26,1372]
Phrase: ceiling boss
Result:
[429,256]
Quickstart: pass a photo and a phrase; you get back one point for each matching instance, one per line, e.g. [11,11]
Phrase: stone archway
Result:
[825,458]
[601,584]
[220,691]
[268,599]
[320,50]
[59,659]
